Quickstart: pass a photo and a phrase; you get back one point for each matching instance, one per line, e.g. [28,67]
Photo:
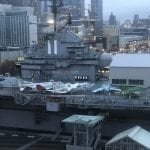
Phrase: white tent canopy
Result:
[136,134]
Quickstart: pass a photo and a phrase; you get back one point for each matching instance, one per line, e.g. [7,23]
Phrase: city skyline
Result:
[125,10]
[122,9]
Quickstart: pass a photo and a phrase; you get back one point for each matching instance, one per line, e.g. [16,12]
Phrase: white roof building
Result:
[131,60]
[83,119]
[137,134]
[130,70]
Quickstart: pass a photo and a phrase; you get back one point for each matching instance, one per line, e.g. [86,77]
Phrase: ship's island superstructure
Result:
[64,58]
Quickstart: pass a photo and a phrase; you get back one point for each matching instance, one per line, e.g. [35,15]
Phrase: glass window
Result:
[136,82]
[119,81]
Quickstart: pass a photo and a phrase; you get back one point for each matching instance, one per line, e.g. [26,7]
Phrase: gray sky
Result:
[125,9]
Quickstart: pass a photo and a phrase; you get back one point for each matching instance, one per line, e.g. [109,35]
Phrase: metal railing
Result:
[88,101]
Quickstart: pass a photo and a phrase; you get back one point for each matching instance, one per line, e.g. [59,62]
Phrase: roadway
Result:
[14,140]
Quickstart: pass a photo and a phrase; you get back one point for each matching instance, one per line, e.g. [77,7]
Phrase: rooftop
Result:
[136,133]
[131,60]
[83,119]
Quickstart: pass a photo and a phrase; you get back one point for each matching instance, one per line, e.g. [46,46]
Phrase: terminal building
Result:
[130,70]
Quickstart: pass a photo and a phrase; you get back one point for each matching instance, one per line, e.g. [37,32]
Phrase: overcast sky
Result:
[125,9]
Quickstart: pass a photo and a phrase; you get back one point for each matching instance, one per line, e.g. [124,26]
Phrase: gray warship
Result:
[80,120]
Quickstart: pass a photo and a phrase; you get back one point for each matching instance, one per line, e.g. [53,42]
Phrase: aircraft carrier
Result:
[78,112]
[40,117]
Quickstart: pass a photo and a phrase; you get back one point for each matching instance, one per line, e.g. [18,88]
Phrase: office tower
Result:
[45,6]
[18,26]
[97,15]
[2,31]
[97,9]
[76,8]
[136,20]
[12,2]
[112,19]
[16,3]
[17,32]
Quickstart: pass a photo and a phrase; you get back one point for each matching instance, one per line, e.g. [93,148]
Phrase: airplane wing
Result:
[100,89]
[115,89]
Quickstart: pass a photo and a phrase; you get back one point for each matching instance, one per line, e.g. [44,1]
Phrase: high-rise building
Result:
[12,2]
[30,3]
[112,19]
[97,9]
[33,3]
[136,20]
[18,26]
[76,8]
[45,7]
[97,15]
[111,34]
[17,32]
[2,31]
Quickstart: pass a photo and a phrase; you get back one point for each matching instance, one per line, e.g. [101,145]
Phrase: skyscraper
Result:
[136,20]
[97,15]
[17,32]
[2,31]
[112,19]
[97,9]
[18,26]
[12,2]
[45,6]
[32,3]
[76,8]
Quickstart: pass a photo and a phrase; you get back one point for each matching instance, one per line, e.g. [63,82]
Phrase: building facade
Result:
[44,6]
[97,9]
[97,15]
[112,35]
[18,27]
[130,70]
[112,19]
[2,31]
[136,19]
[76,8]
[12,2]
